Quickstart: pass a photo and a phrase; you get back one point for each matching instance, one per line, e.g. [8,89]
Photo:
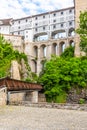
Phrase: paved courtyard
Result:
[28,118]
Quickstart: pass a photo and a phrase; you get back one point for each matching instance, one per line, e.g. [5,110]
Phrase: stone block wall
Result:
[3,96]
[16,97]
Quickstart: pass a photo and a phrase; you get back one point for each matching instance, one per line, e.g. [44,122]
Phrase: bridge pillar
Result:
[35,96]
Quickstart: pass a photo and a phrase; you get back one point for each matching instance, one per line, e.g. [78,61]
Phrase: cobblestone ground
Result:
[28,118]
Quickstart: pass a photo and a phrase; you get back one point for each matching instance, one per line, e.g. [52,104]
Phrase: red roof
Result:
[16,85]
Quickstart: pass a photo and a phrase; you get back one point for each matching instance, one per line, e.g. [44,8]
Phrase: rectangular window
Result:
[54,21]
[70,11]
[70,23]
[43,16]
[61,13]
[36,29]
[18,33]
[54,14]
[36,18]
[54,26]
[36,24]
[43,28]
[62,25]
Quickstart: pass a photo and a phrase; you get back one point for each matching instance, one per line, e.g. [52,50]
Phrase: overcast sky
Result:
[22,8]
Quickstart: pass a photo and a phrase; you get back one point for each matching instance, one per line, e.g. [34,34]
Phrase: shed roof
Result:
[17,85]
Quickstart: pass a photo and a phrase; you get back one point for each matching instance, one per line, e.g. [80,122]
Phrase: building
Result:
[48,33]
[5,25]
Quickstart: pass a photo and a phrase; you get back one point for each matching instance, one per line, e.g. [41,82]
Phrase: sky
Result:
[22,8]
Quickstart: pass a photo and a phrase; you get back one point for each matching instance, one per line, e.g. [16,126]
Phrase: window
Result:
[61,13]
[26,20]
[36,18]
[36,24]
[36,29]
[26,31]
[54,14]
[26,36]
[70,11]
[44,16]
[62,25]
[70,23]
[54,21]
[43,28]
[19,27]
[54,26]
[18,33]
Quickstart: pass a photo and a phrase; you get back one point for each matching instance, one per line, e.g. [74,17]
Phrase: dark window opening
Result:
[62,25]
[61,13]
[44,16]
[54,26]
[43,28]
[70,23]
[36,18]
[54,14]
[36,29]
[54,21]
[70,11]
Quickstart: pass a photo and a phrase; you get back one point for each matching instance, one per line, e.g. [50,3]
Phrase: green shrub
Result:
[81,101]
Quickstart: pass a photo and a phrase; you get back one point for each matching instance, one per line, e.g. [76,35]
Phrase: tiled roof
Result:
[17,85]
[5,21]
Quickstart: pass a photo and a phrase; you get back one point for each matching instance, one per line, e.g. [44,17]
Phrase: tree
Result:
[7,54]
[82,31]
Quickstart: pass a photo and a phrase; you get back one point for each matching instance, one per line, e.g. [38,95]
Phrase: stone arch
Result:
[71,32]
[40,37]
[54,48]
[61,47]
[34,66]
[71,43]
[58,34]
[35,51]
[43,51]
[42,64]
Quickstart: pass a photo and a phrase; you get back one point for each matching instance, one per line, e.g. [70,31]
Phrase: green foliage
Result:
[82,31]
[81,101]
[61,74]
[68,52]
[33,78]
[7,54]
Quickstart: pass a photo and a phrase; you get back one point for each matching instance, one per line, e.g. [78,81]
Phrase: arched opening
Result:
[71,32]
[61,47]
[71,43]
[35,51]
[34,66]
[54,48]
[58,34]
[43,64]
[43,50]
[40,37]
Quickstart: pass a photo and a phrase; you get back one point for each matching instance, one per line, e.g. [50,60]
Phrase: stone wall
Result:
[30,96]
[15,70]
[54,105]
[79,6]
[3,96]
[75,95]
[16,97]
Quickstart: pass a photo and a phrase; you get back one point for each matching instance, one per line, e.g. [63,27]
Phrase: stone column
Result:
[34,96]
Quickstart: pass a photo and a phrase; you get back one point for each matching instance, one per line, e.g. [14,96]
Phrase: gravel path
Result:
[28,118]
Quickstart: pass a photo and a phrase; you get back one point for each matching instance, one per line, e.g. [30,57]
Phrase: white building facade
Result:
[44,34]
